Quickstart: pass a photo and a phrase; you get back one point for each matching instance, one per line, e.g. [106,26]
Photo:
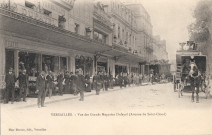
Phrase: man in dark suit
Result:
[10,80]
[120,79]
[80,83]
[23,85]
[97,83]
[60,80]
[41,88]
[73,84]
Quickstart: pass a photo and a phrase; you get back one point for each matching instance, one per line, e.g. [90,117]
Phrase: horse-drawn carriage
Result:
[192,72]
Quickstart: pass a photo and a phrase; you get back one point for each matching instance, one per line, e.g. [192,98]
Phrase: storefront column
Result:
[71,63]
[129,68]
[59,64]
[93,68]
[2,61]
[111,64]
[16,61]
[142,69]
[40,62]
[67,63]
[95,63]
[108,66]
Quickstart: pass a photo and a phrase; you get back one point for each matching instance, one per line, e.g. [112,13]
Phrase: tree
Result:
[200,30]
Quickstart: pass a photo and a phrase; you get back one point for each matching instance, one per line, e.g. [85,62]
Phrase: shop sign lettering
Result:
[11,44]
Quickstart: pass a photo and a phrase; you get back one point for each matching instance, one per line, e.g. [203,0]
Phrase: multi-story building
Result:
[124,33]
[60,35]
[63,35]
[159,49]
[144,42]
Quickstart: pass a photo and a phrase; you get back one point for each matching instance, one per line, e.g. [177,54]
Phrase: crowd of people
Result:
[48,84]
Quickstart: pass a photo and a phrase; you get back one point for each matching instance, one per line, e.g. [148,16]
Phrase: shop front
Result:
[102,64]
[85,63]
[20,57]
[135,70]
[120,69]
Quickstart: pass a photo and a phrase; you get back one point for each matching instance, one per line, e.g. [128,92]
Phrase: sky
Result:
[170,19]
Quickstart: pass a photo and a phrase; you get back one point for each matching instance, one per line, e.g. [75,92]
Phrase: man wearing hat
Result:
[10,80]
[80,83]
[23,85]
[96,83]
[41,88]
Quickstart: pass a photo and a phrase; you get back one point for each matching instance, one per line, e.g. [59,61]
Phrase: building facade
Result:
[64,35]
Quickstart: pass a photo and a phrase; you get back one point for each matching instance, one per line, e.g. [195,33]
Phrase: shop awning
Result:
[124,56]
[28,28]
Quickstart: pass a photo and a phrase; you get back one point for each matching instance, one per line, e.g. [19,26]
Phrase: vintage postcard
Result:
[105,67]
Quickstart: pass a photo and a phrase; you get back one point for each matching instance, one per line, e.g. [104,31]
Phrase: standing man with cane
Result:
[41,89]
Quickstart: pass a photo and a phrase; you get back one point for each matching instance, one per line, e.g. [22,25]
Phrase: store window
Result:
[50,63]
[9,59]
[120,69]
[31,62]
[134,70]
[63,63]
[101,66]
[85,63]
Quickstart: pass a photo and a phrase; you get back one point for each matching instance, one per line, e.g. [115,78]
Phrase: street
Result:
[157,96]
[157,103]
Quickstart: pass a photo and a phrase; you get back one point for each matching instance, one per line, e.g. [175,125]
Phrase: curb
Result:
[71,98]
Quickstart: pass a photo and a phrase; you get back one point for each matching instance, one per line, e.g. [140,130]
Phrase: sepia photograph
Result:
[105,67]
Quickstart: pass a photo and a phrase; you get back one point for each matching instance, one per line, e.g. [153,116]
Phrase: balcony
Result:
[101,17]
[33,13]
[67,4]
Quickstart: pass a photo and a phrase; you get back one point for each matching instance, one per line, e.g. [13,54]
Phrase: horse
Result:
[195,80]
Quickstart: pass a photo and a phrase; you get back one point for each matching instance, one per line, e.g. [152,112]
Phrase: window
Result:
[63,64]
[118,32]
[31,62]
[46,12]
[123,34]
[95,35]
[50,63]
[77,28]
[61,21]
[100,37]
[29,5]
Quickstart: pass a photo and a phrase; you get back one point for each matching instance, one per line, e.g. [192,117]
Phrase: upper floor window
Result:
[100,37]
[61,21]
[77,26]
[46,12]
[119,32]
[29,5]
[87,32]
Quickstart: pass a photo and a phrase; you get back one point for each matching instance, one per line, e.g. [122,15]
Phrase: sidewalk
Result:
[32,102]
